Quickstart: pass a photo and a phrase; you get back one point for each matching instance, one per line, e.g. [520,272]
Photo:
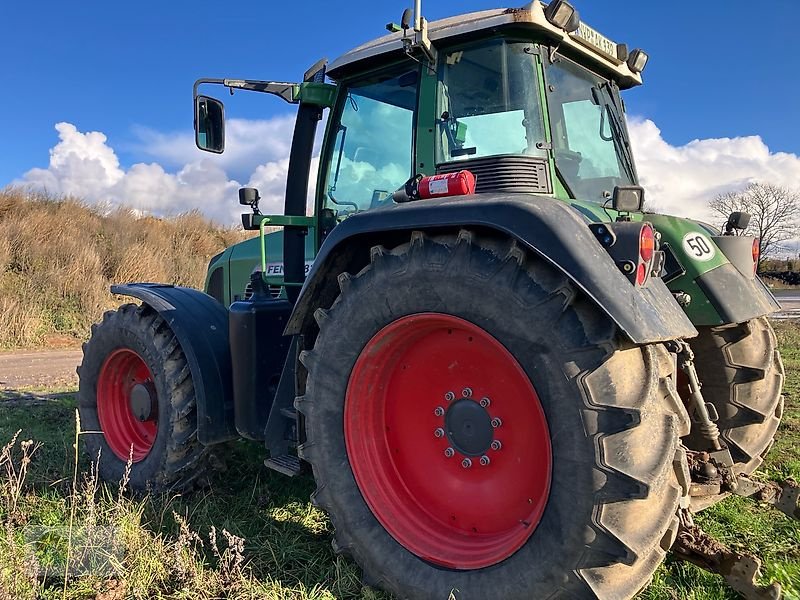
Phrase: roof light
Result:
[627,198]
[737,220]
[637,60]
[563,15]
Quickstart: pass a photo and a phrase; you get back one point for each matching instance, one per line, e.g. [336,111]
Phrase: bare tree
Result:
[775,213]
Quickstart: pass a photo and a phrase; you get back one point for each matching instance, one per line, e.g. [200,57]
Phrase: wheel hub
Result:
[127,405]
[142,395]
[469,427]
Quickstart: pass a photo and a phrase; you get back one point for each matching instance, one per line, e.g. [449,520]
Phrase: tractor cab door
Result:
[369,148]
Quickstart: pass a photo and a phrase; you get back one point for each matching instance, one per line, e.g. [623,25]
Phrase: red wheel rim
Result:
[400,424]
[120,375]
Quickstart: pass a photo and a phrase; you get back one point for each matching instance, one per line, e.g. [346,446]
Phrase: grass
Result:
[54,286]
[254,534]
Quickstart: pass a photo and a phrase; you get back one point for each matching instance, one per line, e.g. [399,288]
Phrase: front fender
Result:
[550,229]
[200,324]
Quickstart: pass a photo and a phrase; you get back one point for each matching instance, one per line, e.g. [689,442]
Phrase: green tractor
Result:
[483,349]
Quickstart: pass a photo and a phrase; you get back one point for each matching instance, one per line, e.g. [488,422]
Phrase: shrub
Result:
[59,256]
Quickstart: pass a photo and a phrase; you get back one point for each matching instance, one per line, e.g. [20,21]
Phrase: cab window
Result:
[371,155]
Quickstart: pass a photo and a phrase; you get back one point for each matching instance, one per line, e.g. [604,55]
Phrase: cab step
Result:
[287,464]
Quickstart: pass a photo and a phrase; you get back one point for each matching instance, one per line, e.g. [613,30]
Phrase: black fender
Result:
[549,228]
[200,324]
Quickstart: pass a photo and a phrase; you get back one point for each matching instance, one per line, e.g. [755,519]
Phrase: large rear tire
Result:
[742,375]
[579,500]
[136,388]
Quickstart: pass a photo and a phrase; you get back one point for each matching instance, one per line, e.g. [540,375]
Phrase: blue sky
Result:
[719,69]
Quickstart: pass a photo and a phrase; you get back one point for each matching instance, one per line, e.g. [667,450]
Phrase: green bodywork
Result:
[241,260]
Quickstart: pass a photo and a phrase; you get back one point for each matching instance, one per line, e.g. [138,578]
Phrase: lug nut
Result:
[485,460]
[496,422]
[438,411]
[485,402]
[439,432]
[449,452]
[496,445]
[466,463]
[449,396]
[466,392]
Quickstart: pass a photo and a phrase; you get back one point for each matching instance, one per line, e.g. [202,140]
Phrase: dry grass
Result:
[58,257]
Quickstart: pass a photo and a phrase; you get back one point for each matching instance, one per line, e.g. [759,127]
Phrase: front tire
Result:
[137,392]
[580,500]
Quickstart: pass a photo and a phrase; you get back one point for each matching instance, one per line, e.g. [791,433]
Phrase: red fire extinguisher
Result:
[420,187]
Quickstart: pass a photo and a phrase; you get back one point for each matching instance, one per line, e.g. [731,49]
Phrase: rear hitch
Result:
[705,414]
[740,571]
[711,476]
[783,496]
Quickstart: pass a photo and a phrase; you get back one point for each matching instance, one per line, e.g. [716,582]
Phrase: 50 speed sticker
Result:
[698,246]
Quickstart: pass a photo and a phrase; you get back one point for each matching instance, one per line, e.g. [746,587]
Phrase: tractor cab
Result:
[527,100]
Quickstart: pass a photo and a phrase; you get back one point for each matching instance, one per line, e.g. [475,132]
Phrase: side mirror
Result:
[209,124]
[627,198]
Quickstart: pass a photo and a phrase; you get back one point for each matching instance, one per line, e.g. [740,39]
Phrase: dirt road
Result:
[46,368]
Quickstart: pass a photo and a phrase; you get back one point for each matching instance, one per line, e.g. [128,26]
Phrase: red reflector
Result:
[647,243]
[641,274]
[450,184]
[756,254]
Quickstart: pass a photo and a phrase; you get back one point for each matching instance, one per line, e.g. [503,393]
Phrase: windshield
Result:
[590,140]
[489,103]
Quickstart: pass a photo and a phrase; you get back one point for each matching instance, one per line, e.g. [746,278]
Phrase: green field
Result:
[252,533]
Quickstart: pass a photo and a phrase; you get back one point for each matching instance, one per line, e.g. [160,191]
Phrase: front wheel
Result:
[136,398]
[477,427]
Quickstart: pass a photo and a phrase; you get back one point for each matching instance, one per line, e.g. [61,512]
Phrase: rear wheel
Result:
[474,425]
[136,388]
[742,375]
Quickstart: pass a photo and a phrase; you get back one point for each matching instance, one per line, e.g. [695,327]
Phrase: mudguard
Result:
[720,279]
[551,229]
[200,324]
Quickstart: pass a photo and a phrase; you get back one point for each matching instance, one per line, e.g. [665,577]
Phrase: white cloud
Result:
[681,180]
[84,165]
[248,144]
[80,164]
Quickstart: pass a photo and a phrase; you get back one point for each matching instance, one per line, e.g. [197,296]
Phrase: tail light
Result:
[756,254]
[633,246]
[647,247]
[647,243]
[641,274]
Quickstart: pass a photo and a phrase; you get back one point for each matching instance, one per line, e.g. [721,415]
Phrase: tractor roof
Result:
[599,52]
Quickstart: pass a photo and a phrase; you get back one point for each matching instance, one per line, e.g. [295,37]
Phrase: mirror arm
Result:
[290,92]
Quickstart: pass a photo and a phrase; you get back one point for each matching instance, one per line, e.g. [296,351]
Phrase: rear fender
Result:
[550,229]
[200,324]
[715,271]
